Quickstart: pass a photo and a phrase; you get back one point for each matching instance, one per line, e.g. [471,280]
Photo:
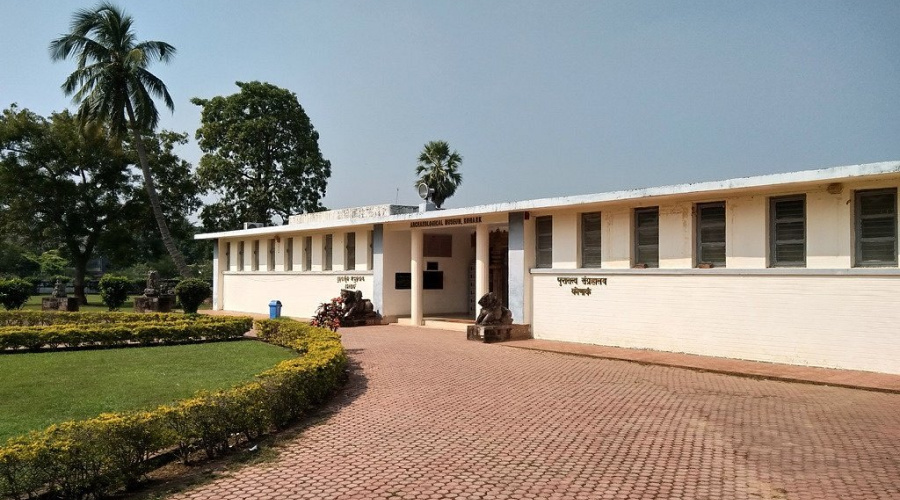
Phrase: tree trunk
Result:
[78,282]
[150,186]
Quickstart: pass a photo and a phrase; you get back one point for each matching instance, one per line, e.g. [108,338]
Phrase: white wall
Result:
[455,295]
[848,322]
[299,293]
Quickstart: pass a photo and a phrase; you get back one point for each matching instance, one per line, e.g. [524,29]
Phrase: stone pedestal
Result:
[497,333]
[162,304]
[69,304]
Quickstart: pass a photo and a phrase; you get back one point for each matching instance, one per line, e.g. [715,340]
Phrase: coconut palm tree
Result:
[111,84]
[439,169]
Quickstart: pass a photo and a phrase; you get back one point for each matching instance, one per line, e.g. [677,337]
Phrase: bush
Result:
[33,330]
[96,457]
[191,293]
[114,291]
[328,315]
[14,293]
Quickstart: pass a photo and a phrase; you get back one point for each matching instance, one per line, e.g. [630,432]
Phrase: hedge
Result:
[96,457]
[34,330]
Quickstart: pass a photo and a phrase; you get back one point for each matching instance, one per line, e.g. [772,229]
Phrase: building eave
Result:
[805,177]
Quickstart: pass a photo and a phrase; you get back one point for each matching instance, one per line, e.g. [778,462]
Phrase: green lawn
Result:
[40,389]
[95,303]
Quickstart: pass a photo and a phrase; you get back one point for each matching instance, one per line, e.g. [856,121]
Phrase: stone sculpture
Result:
[356,310]
[493,313]
[154,299]
[59,290]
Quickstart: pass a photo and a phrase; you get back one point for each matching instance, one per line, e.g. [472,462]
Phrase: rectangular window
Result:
[307,253]
[876,227]
[350,251]
[326,253]
[544,241]
[240,256]
[787,231]
[289,254]
[371,254]
[254,264]
[590,239]
[270,247]
[646,237]
[228,255]
[710,222]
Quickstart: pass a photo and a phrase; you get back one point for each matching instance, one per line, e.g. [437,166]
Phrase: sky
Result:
[541,99]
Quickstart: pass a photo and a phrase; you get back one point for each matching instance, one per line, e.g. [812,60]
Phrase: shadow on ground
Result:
[177,477]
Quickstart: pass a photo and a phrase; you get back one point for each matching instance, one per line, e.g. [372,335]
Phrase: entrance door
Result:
[498,265]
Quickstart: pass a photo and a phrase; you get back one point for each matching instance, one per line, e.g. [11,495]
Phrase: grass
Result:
[37,390]
[95,303]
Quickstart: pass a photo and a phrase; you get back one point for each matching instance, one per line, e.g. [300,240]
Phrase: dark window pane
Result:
[878,228]
[789,253]
[878,251]
[713,253]
[789,209]
[789,231]
[649,255]
[712,234]
[877,204]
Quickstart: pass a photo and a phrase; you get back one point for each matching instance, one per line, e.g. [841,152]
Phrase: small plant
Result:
[328,315]
[191,293]
[114,291]
[14,293]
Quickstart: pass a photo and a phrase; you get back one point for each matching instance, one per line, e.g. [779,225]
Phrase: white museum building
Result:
[798,268]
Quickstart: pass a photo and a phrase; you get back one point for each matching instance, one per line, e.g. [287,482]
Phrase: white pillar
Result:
[416,261]
[482,261]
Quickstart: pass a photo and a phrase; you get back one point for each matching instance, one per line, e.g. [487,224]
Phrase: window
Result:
[326,254]
[240,262]
[350,253]
[270,247]
[646,237]
[787,231]
[254,264]
[307,253]
[370,256]
[590,239]
[711,234]
[289,254]
[876,227]
[228,255]
[544,241]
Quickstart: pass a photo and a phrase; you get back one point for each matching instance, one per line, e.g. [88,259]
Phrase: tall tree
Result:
[111,84]
[261,157]
[72,188]
[63,185]
[438,168]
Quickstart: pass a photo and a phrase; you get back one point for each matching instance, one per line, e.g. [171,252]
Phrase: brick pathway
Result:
[430,415]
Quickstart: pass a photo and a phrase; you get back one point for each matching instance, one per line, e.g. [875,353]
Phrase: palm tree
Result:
[439,169]
[112,85]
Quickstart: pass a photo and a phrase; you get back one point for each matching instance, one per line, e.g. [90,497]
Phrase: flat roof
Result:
[831,174]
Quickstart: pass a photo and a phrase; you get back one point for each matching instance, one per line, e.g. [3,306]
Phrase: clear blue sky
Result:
[540,98]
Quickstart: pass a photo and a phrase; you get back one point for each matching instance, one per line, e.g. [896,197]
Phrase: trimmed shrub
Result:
[14,293]
[96,457]
[114,291]
[33,330]
[191,293]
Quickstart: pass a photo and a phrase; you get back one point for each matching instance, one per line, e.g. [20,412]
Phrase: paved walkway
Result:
[427,414]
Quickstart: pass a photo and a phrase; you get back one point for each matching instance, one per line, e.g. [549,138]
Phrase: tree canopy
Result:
[71,188]
[112,86]
[261,157]
[438,168]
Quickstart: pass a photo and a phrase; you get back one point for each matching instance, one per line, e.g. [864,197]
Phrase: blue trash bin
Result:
[275,309]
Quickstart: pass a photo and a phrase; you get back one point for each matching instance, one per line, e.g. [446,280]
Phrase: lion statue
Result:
[355,307]
[492,311]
